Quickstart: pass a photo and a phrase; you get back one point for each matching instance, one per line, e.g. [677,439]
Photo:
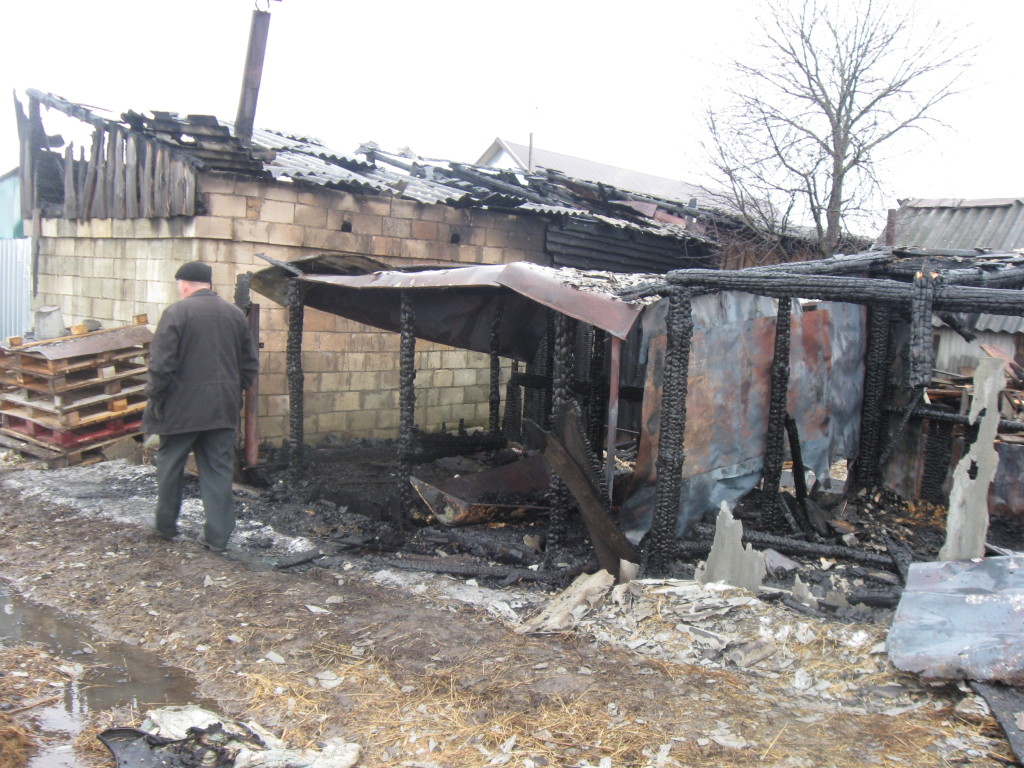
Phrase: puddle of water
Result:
[116,675]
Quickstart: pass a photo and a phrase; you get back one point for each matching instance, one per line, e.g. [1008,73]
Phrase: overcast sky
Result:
[620,83]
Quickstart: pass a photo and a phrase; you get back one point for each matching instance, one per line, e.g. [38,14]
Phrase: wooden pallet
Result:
[61,399]
[55,385]
[56,459]
[71,439]
[78,413]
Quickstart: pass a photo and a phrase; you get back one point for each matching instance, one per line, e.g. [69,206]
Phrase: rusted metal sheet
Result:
[453,306]
[727,398]
[569,293]
[962,619]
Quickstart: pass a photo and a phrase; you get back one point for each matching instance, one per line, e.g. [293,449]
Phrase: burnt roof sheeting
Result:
[210,143]
[456,306]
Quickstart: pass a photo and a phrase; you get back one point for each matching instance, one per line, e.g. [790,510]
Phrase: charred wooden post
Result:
[671,452]
[494,398]
[406,399]
[250,420]
[296,379]
[597,389]
[512,426]
[614,373]
[921,352]
[937,460]
[797,455]
[775,511]
[872,417]
[560,499]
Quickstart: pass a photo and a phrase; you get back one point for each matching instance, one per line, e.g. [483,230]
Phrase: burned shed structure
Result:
[736,371]
[115,201]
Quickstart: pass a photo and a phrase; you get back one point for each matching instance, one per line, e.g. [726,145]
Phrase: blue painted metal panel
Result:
[15,287]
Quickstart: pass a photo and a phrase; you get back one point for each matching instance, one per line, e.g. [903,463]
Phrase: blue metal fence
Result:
[15,287]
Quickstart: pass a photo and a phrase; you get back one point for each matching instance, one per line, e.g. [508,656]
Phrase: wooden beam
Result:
[70,190]
[131,173]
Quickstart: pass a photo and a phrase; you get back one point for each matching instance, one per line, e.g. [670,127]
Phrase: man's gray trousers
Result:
[215,458]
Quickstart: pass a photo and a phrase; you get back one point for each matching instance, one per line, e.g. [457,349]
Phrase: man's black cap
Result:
[194,272]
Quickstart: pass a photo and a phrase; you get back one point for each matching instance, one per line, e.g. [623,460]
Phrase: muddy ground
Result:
[319,623]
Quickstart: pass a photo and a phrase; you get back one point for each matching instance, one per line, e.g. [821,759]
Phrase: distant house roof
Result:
[503,153]
[995,224]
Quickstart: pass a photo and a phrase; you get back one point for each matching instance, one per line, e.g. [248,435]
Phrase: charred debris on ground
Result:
[849,541]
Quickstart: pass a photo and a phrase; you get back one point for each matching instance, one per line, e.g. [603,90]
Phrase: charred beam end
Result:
[671,453]
[932,413]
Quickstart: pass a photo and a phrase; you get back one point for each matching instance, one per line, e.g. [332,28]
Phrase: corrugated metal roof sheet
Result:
[209,143]
[994,224]
[990,224]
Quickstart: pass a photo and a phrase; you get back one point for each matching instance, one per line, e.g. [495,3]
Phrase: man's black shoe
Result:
[212,547]
[163,534]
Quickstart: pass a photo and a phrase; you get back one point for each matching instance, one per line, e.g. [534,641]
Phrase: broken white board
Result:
[729,561]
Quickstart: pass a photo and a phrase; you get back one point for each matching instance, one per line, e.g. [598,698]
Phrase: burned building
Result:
[733,372]
[115,201]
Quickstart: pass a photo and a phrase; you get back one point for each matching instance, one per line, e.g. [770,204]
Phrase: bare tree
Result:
[797,138]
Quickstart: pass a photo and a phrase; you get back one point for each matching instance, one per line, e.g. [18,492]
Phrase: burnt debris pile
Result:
[833,407]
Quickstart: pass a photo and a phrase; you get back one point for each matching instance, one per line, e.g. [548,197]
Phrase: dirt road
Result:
[423,670]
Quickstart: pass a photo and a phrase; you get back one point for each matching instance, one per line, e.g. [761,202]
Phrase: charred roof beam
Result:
[852,290]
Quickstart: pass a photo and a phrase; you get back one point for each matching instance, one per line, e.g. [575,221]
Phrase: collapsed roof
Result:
[598,225]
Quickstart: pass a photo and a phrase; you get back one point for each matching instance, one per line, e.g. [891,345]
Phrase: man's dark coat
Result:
[201,359]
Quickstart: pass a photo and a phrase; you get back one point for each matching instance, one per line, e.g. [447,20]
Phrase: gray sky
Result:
[620,83]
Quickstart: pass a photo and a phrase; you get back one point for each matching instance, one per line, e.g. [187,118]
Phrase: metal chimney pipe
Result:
[252,75]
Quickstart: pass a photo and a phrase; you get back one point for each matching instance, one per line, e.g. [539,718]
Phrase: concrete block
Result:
[392,227]
[227,206]
[213,182]
[278,212]
[374,206]
[442,378]
[367,224]
[465,377]
[285,234]
[424,230]
[310,216]
[248,187]
[213,227]
[249,231]
[280,191]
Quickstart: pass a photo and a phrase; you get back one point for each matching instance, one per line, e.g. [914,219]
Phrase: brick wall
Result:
[111,270]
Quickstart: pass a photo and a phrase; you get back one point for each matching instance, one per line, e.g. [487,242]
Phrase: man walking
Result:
[201,359]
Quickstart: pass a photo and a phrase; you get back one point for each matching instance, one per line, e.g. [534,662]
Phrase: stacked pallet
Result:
[66,399]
